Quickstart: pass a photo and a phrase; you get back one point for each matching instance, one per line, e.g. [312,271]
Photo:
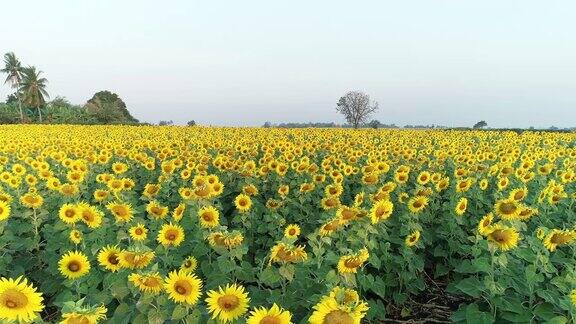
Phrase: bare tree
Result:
[356,107]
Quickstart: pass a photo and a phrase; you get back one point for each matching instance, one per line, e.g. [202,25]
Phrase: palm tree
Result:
[33,88]
[13,68]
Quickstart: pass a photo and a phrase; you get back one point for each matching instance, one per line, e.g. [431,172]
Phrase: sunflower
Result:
[340,306]
[32,200]
[507,208]
[243,203]
[292,231]
[283,190]
[505,238]
[225,239]
[151,283]
[518,194]
[209,217]
[485,223]
[250,190]
[557,238]
[351,263]
[122,212]
[381,211]
[69,213]
[139,232]
[75,236]
[178,212]
[228,303]
[461,206]
[330,202]
[150,190]
[417,204]
[540,233]
[330,227]
[423,177]
[573,297]
[183,287]
[4,210]
[109,258]
[189,264]
[135,259]
[170,235]
[87,315]
[285,253]
[483,184]
[101,194]
[155,210]
[19,300]
[90,215]
[412,239]
[74,265]
[274,315]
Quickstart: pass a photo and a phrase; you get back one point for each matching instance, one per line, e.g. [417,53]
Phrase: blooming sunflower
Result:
[139,232]
[75,236]
[183,287]
[74,265]
[228,303]
[273,315]
[85,315]
[461,206]
[155,210]
[351,263]
[285,253]
[178,212]
[209,217]
[557,238]
[90,215]
[518,194]
[122,212]
[109,258]
[170,235]
[292,231]
[189,264]
[32,200]
[417,204]
[505,238]
[19,300]
[412,239]
[381,211]
[135,259]
[340,306]
[484,224]
[4,210]
[69,213]
[507,208]
[151,283]
[243,203]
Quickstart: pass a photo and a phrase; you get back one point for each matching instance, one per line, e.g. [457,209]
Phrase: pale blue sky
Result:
[450,62]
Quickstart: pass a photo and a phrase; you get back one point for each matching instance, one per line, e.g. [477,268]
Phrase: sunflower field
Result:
[142,224]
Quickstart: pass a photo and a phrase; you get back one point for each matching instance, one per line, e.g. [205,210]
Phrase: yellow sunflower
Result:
[228,303]
[109,258]
[381,211]
[69,213]
[178,212]
[183,287]
[274,315]
[292,231]
[90,215]
[351,263]
[88,315]
[507,208]
[417,204]
[557,238]
[4,210]
[75,236]
[485,223]
[209,217]
[19,300]
[341,306]
[155,210]
[135,259]
[243,203]
[170,235]
[151,283]
[461,206]
[139,232]
[412,239]
[122,212]
[505,238]
[189,264]
[32,200]
[74,265]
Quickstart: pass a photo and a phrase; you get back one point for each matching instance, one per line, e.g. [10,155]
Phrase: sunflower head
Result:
[19,300]
[227,303]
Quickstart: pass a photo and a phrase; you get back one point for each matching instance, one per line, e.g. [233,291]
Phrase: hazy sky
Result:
[449,62]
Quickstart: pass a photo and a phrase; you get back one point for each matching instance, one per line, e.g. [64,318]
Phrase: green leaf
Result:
[557,320]
[470,286]
[474,315]
[179,312]
[287,271]
[544,311]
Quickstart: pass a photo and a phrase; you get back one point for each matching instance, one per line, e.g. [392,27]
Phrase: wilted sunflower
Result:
[243,203]
[292,231]
[74,265]
[109,258]
[139,232]
[225,239]
[381,211]
[4,210]
[19,300]
[340,306]
[228,303]
[285,253]
[417,204]
[557,238]
[209,217]
[122,212]
[274,315]
[461,206]
[151,283]
[85,315]
[170,235]
[189,264]
[351,263]
[182,287]
[506,238]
